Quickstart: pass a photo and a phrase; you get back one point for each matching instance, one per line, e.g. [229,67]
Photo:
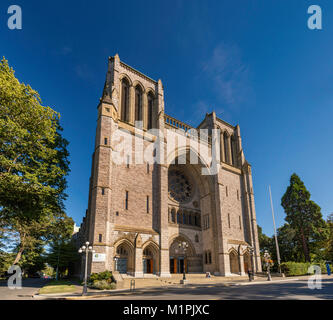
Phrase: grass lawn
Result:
[60,286]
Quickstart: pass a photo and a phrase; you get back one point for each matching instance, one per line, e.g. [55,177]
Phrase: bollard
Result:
[132,285]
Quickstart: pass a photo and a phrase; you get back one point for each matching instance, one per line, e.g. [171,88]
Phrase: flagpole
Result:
[275,234]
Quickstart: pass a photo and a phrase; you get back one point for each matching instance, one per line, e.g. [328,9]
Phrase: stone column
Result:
[225,264]
[241,261]
[164,223]
[138,271]
[229,150]
[132,105]
[251,216]
[223,156]
[145,110]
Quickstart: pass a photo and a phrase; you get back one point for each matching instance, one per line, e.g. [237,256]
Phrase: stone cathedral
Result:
[139,214]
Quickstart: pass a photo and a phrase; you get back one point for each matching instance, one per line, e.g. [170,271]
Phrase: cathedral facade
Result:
[159,205]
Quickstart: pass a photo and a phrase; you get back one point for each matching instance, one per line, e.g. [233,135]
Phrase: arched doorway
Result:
[180,260]
[150,258]
[124,257]
[247,261]
[234,263]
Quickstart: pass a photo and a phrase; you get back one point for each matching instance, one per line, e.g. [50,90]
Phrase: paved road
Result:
[29,287]
[289,290]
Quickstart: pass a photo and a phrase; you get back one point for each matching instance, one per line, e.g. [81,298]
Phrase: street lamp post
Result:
[268,261]
[184,246]
[86,249]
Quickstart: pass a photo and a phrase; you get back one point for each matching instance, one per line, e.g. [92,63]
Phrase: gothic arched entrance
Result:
[180,260]
[234,262]
[150,259]
[247,261]
[124,257]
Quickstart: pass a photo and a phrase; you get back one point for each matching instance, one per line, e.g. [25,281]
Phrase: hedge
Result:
[103,280]
[301,268]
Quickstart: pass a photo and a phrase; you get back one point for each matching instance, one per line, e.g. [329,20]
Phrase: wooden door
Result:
[151,266]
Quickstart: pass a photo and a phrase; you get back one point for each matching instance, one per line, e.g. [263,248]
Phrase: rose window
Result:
[180,188]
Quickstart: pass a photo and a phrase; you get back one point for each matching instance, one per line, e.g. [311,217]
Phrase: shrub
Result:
[103,285]
[103,277]
[300,268]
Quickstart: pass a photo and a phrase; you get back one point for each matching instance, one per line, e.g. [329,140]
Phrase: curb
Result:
[264,282]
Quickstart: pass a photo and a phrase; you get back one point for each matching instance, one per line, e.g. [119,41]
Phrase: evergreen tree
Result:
[304,216]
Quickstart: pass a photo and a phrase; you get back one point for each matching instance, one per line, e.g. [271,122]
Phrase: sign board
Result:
[99,257]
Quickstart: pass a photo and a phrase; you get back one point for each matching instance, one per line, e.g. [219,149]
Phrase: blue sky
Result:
[254,62]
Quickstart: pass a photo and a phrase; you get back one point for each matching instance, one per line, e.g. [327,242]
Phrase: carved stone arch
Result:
[151,256]
[234,261]
[137,83]
[125,98]
[151,91]
[124,263]
[227,133]
[186,239]
[152,243]
[125,76]
[124,239]
[233,250]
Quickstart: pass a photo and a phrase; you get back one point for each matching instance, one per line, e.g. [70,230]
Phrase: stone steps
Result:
[154,281]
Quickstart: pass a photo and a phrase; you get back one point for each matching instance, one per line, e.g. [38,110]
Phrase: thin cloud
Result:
[84,72]
[199,111]
[66,51]
[229,75]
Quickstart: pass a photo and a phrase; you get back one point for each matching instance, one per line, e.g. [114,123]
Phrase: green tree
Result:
[329,243]
[265,242]
[33,162]
[289,248]
[304,216]
[63,255]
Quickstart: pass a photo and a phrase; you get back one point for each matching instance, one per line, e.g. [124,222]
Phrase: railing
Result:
[176,123]
[189,131]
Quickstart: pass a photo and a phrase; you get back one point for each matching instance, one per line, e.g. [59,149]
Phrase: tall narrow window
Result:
[126,201]
[173,215]
[138,103]
[240,223]
[150,110]
[233,156]
[103,191]
[125,100]
[148,168]
[226,191]
[105,141]
[237,194]
[100,238]
[128,161]
[229,220]
[226,147]
[147,204]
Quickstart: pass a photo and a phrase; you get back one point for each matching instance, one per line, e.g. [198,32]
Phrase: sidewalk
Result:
[92,294]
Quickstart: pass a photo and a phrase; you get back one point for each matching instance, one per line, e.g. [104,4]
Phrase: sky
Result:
[255,63]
